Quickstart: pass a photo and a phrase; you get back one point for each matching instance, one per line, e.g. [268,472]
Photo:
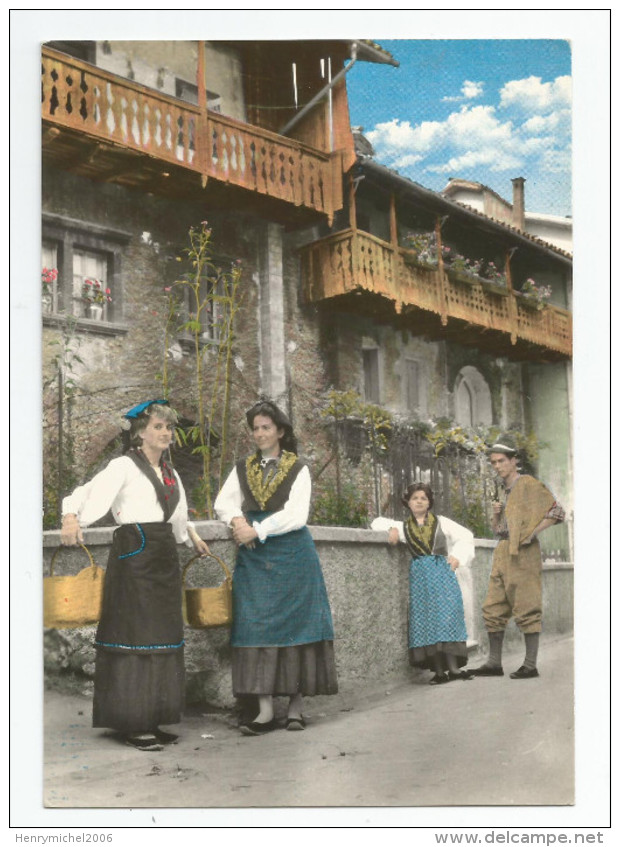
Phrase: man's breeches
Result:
[515,589]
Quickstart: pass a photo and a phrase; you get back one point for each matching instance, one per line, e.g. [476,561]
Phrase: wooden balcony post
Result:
[394,256]
[393,222]
[513,314]
[352,210]
[443,281]
[202,134]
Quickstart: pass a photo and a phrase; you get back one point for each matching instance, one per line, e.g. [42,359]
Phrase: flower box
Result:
[531,303]
[463,277]
[495,288]
[412,258]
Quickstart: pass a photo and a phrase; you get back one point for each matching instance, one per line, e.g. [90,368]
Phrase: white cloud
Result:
[397,136]
[408,160]
[558,121]
[527,134]
[472,89]
[469,91]
[470,127]
[488,159]
[533,95]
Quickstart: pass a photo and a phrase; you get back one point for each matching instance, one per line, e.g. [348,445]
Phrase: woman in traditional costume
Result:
[282,633]
[438,546]
[139,669]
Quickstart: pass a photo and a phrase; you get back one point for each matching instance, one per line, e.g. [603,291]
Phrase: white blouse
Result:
[126,491]
[293,515]
[460,541]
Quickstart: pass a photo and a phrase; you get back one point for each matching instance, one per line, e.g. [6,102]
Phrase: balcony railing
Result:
[79,96]
[352,261]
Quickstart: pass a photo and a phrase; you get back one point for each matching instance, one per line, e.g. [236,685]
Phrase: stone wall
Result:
[367,582]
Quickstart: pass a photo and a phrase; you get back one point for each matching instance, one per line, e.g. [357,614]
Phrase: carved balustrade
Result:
[356,261]
[80,96]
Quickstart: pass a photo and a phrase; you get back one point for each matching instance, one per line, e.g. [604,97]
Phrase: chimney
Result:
[518,203]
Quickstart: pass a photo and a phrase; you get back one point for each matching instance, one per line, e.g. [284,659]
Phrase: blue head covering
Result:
[138,410]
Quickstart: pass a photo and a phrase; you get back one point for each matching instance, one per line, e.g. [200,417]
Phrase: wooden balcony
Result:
[350,267]
[99,124]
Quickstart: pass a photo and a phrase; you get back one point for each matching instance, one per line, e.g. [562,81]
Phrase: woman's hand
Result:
[393,536]
[453,562]
[71,531]
[200,546]
[243,533]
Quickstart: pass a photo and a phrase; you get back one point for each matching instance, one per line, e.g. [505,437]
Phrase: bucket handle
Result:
[61,547]
[210,555]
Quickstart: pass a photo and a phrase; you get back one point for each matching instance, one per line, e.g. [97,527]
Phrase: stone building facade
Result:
[136,151]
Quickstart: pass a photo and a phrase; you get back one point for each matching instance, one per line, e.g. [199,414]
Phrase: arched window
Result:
[472,398]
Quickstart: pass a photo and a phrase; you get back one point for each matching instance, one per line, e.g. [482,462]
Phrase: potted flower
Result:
[48,278]
[463,269]
[422,249]
[496,277]
[533,295]
[95,296]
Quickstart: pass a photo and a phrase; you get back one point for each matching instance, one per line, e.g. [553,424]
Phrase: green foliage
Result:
[341,405]
[344,508]
[212,295]
[470,510]
[377,424]
[461,454]
[61,475]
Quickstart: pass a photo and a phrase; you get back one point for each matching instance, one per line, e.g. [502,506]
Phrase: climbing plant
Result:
[202,305]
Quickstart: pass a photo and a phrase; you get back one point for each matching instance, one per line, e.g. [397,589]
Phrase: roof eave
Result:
[370,52]
[443,205]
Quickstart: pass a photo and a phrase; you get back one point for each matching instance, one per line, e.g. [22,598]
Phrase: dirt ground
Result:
[490,741]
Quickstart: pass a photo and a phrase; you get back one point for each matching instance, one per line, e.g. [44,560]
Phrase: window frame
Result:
[411,364]
[367,376]
[69,235]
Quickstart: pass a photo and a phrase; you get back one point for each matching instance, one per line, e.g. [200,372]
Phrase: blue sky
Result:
[484,110]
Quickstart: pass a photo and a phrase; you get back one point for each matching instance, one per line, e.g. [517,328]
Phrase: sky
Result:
[483,110]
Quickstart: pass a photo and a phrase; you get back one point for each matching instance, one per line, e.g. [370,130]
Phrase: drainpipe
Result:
[295,120]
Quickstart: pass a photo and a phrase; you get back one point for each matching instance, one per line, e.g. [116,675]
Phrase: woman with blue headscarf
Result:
[282,633]
[139,668]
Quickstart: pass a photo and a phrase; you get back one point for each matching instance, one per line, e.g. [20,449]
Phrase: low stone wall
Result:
[367,583]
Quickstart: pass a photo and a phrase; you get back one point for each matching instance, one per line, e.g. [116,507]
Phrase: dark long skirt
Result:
[306,669]
[139,671]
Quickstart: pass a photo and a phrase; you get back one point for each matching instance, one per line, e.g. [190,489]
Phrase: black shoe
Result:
[144,742]
[487,670]
[438,679]
[295,724]
[464,675]
[166,737]
[525,673]
[255,728]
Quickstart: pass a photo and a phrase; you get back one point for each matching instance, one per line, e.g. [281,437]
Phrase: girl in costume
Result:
[438,546]
[282,632]
[139,670]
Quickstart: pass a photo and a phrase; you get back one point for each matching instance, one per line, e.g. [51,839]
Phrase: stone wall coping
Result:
[218,531]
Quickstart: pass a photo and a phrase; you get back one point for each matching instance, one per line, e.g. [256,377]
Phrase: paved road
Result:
[485,742]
